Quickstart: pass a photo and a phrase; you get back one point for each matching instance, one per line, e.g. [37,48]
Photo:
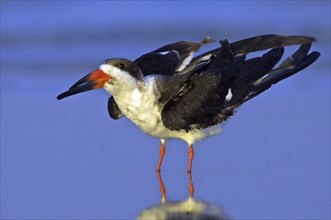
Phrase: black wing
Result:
[251,88]
[201,102]
[263,42]
[202,95]
[169,59]
[293,64]
[113,110]
[174,58]
[252,44]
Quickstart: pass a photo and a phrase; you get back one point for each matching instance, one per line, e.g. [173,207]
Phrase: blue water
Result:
[68,160]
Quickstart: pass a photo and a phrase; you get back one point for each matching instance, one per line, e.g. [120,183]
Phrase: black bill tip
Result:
[87,86]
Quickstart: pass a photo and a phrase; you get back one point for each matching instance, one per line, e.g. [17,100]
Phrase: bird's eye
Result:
[122,66]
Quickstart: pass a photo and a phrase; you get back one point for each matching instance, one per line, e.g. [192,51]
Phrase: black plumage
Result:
[196,96]
[113,109]
[167,59]
[202,96]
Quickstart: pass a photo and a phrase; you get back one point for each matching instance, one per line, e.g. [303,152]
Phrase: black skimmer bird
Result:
[169,93]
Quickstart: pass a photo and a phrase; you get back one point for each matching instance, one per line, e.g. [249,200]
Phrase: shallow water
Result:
[66,160]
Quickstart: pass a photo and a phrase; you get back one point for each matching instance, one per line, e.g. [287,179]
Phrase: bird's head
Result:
[113,74]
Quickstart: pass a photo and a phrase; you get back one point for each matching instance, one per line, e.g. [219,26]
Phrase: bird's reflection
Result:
[182,210]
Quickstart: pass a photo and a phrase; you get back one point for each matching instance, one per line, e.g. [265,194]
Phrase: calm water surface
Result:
[68,160]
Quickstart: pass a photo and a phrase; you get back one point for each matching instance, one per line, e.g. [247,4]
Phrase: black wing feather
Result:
[204,83]
[113,110]
[166,59]
[201,102]
[263,42]
[202,96]
[298,61]
[250,71]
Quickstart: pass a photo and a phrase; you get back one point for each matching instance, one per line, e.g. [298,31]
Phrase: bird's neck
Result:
[130,93]
[123,88]
[139,103]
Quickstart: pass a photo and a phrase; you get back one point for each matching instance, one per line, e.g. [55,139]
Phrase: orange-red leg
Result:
[162,153]
[191,187]
[162,187]
[190,155]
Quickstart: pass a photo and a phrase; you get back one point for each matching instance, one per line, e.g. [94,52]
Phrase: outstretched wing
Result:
[202,101]
[245,90]
[169,59]
[299,60]
[263,42]
[177,58]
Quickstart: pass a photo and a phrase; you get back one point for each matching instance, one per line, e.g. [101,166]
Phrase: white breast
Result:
[140,106]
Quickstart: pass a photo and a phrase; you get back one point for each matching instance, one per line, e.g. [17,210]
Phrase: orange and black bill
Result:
[94,80]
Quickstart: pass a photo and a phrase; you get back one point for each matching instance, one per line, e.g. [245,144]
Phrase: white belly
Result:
[142,110]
